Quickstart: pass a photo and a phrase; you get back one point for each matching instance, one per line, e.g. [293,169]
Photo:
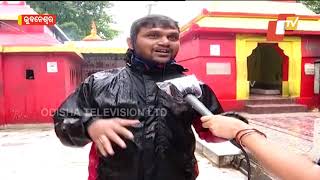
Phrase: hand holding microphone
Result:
[188,88]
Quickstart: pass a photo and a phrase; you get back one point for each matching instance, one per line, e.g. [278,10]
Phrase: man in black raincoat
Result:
[138,131]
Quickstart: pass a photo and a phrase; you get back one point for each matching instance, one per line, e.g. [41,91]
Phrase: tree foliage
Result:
[313,5]
[75,17]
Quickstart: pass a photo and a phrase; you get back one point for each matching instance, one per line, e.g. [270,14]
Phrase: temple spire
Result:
[93,36]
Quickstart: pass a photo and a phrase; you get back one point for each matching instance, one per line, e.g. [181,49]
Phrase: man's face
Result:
[157,44]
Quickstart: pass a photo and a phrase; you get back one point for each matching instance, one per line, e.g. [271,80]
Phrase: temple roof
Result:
[10,10]
[260,7]
[101,47]
[13,34]
[94,44]
[241,16]
[27,39]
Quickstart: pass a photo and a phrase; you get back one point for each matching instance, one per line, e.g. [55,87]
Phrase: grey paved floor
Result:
[36,154]
[291,131]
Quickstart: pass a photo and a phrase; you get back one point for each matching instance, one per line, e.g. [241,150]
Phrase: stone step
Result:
[274,108]
[271,101]
[265,91]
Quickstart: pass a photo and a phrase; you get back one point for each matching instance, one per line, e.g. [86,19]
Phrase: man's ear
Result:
[129,42]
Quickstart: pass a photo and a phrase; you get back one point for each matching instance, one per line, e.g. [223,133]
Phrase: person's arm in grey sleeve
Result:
[74,116]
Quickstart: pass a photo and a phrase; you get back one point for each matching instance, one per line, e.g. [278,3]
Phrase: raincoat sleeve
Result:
[73,116]
[210,100]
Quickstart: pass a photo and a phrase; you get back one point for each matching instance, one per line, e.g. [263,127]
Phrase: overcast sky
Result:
[125,12]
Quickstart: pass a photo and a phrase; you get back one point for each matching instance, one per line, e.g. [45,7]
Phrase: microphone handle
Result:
[197,105]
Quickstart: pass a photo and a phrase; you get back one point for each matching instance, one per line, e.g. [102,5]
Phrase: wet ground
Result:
[35,153]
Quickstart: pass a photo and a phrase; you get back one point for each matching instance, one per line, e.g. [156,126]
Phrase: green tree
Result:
[314,5]
[75,17]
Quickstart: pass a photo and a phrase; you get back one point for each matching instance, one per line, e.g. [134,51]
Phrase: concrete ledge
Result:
[257,171]
[226,154]
[233,156]
[221,154]
[27,126]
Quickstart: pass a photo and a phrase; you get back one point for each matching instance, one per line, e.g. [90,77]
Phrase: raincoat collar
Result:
[148,66]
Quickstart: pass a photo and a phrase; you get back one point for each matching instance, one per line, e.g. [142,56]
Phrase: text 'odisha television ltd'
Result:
[37,19]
